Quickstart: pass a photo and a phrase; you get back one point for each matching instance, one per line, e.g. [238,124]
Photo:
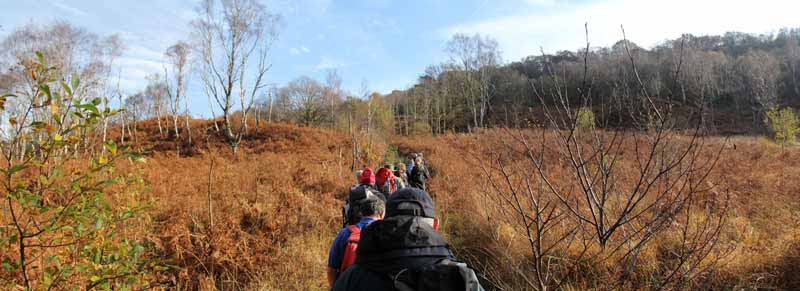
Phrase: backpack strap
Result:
[398,283]
[355,233]
[349,256]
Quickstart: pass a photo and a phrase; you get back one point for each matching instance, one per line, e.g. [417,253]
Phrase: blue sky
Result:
[389,43]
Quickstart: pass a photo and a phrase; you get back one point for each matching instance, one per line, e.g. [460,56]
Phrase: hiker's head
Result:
[358,193]
[412,157]
[355,206]
[412,202]
[372,207]
[367,176]
[389,166]
[401,168]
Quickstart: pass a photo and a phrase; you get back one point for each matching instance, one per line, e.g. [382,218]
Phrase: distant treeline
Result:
[725,82]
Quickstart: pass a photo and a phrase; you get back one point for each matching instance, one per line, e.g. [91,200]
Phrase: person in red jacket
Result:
[385,179]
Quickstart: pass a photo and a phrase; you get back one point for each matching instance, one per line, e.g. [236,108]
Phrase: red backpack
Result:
[385,181]
[352,245]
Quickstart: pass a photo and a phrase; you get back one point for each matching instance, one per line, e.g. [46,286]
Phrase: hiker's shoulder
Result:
[342,235]
[364,222]
[357,278]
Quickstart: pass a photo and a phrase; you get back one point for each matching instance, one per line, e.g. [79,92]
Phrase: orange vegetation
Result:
[760,242]
[276,208]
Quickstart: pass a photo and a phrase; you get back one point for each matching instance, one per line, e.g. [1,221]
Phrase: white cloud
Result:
[385,23]
[69,9]
[187,15]
[134,72]
[327,62]
[138,62]
[647,22]
[140,51]
[144,65]
[299,50]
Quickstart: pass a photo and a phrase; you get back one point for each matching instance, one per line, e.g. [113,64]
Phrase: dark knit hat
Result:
[411,202]
[360,193]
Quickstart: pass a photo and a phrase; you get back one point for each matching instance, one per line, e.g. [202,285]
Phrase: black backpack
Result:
[446,275]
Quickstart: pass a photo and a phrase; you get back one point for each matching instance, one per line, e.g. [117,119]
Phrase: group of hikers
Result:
[390,239]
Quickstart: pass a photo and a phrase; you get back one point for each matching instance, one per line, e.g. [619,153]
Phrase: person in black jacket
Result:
[405,240]
[419,174]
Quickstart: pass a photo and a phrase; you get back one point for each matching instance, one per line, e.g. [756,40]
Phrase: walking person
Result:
[363,207]
[385,180]
[401,176]
[404,251]
[419,175]
[367,179]
[412,157]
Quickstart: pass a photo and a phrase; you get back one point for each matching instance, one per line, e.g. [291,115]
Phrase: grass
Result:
[276,209]
[759,245]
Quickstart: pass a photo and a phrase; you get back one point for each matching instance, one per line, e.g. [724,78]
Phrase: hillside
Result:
[576,158]
[265,219]
[276,210]
[758,245]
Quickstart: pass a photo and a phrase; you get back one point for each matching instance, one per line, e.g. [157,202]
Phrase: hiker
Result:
[385,179]
[401,176]
[419,175]
[411,158]
[365,207]
[404,251]
[367,179]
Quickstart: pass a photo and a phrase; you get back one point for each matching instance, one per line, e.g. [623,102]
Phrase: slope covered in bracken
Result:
[275,209]
[759,245]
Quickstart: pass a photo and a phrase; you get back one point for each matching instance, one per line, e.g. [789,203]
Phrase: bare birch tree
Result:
[333,93]
[477,57]
[155,92]
[73,52]
[177,58]
[234,38]
[759,75]
[114,48]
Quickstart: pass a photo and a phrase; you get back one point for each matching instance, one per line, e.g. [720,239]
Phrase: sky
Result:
[387,44]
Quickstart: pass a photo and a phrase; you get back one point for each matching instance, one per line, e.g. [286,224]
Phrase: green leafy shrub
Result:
[64,211]
[584,121]
[784,124]
[420,128]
